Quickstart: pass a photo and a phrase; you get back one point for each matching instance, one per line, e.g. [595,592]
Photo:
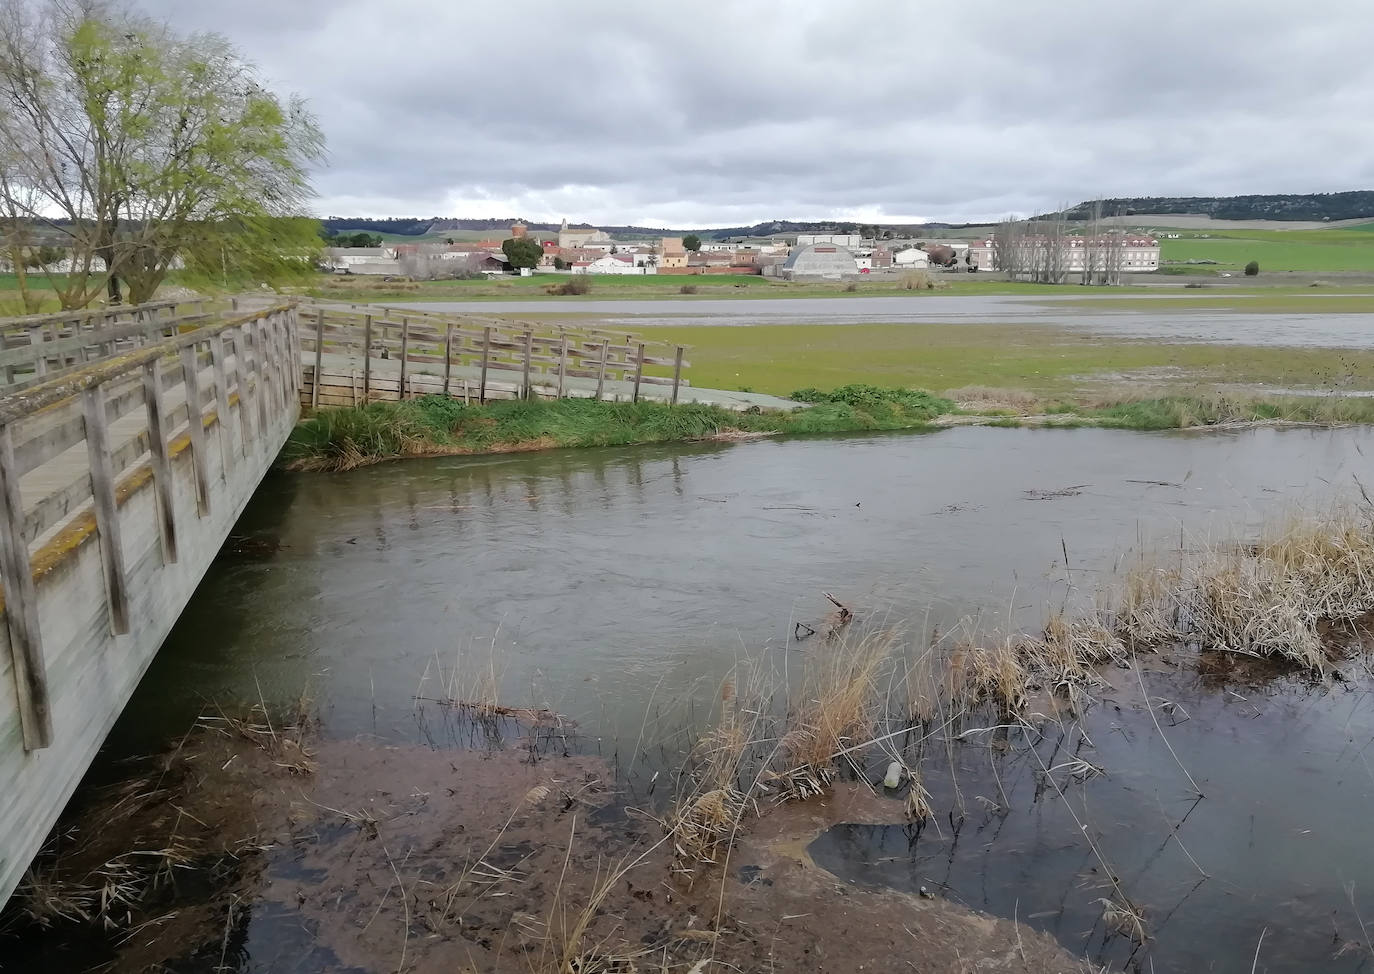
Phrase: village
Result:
[801,257]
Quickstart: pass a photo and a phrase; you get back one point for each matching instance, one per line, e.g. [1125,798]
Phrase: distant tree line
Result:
[359,239]
[1351,205]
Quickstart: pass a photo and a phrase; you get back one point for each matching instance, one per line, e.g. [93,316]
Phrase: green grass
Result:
[1276,250]
[1042,359]
[345,438]
[339,439]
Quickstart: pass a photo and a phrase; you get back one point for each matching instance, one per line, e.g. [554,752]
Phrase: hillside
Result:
[1316,207]
[431,226]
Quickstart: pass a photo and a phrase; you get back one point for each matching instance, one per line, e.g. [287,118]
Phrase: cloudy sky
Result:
[726,112]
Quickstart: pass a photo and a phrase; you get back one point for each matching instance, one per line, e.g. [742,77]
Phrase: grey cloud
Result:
[727,112]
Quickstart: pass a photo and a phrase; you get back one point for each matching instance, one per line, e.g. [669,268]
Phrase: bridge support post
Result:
[21,606]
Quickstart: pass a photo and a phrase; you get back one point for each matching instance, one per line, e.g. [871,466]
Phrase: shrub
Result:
[916,281]
[852,286]
[1252,269]
[687,289]
[879,402]
[576,284]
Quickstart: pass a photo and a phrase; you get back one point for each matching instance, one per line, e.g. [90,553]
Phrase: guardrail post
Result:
[529,352]
[367,359]
[562,365]
[405,356]
[195,427]
[448,357]
[319,357]
[157,449]
[261,390]
[21,606]
[486,354]
[639,371]
[677,372]
[226,424]
[40,363]
[243,369]
[106,510]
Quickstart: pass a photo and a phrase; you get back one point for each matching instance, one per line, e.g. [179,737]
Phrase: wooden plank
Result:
[601,372]
[21,607]
[195,425]
[106,511]
[486,354]
[319,355]
[157,449]
[367,359]
[639,373]
[226,423]
[677,373]
[405,348]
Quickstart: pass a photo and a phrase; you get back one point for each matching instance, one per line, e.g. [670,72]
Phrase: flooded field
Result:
[1230,324]
[599,598]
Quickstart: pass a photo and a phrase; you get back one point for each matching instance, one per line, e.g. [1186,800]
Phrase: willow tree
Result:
[145,150]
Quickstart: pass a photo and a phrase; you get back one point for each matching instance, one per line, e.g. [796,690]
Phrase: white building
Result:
[617,264]
[911,258]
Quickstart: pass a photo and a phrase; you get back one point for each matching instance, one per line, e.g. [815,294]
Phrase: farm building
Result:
[829,261]
[912,257]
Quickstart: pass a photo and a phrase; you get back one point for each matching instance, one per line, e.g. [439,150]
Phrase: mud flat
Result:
[249,849]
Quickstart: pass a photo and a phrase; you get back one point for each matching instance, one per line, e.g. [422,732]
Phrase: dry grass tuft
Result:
[978,674]
[993,397]
[840,708]
[1266,599]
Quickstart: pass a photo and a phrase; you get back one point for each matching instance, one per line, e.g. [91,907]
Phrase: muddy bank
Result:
[250,852]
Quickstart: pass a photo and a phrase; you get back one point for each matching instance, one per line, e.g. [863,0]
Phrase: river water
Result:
[618,586]
[1231,324]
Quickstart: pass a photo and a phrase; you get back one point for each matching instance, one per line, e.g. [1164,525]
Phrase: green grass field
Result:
[1042,360]
[1276,250]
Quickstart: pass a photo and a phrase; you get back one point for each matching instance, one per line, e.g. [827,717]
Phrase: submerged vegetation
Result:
[349,437]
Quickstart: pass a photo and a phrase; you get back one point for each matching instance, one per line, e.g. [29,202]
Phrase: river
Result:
[611,585]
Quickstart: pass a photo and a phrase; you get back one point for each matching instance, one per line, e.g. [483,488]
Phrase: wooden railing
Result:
[38,347]
[74,448]
[364,354]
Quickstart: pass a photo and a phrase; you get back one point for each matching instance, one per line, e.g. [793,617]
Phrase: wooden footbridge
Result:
[130,442]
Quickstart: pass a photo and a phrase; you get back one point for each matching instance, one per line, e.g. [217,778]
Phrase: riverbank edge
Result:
[345,438]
